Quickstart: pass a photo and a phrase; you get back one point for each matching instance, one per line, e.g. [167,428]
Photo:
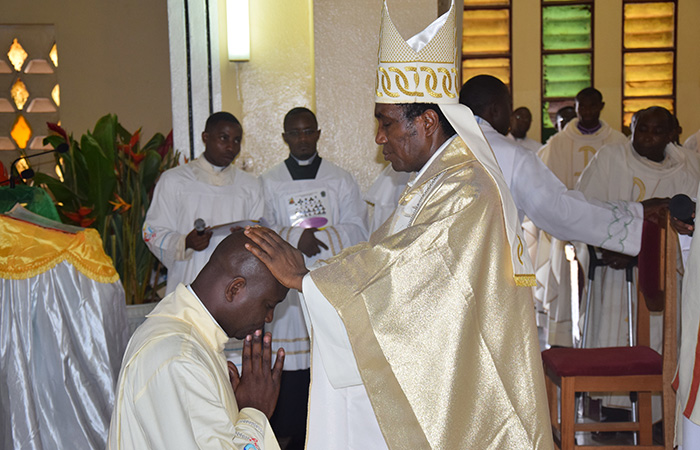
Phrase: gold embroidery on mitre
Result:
[386,83]
[431,76]
[445,87]
[416,77]
[401,77]
[436,60]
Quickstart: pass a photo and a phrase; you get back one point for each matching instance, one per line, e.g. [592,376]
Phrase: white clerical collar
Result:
[218,169]
[432,158]
[305,162]
[189,288]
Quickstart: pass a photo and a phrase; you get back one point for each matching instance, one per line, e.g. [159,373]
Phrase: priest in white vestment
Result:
[687,380]
[317,207]
[411,348]
[538,193]
[566,154]
[210,188]
[648,166]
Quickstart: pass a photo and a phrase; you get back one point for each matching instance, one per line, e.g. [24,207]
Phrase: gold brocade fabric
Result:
[445,341]
[27,250]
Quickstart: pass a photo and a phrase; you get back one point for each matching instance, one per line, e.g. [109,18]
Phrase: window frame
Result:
[674,49]
[546,132]
[496,5]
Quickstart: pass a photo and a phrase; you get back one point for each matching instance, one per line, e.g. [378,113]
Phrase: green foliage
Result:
[108,181]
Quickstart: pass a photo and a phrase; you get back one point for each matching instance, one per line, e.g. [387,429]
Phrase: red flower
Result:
[58,130]
[75,217]
[129,148]
[3,173]
[80,216]
[86,222]
[166,145]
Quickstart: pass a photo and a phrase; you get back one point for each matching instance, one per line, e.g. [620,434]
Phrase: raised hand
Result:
[309,244]
[196,241]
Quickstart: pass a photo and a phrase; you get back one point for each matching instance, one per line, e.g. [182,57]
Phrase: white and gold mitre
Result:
[422,69]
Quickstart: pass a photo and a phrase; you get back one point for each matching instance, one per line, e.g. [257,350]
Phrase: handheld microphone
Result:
[200,226]
[29,173]
[682,208]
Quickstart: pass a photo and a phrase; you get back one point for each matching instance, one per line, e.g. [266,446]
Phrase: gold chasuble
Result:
[444,340]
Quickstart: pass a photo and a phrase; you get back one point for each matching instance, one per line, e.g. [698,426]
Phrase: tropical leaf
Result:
[106,135]
[149,169]
[100,176]
[53,140]
[110,165]
[59,190]
[154,143]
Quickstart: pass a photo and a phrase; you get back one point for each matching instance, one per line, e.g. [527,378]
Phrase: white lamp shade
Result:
[238,30]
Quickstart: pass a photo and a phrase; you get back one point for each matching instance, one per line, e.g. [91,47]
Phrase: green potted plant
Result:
[106,181]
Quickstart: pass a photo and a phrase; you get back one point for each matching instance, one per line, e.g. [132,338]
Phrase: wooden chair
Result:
[624,369]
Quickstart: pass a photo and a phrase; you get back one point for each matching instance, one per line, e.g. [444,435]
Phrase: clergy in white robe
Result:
[568,152]
[175,389]
[538,193]
[210,188]
[306,194]
[621,172]
[687,382]
[346,214]
[384,195]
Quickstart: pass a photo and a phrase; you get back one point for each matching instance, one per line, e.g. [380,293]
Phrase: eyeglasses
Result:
[297,133]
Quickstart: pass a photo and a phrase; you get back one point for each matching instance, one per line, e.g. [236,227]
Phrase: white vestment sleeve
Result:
[567,215]
[329,334]
[160,227]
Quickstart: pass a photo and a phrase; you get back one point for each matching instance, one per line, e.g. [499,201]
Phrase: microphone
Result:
[682,208]
[200,226]
[29,173]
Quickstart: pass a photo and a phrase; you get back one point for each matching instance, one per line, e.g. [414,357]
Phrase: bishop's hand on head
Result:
[285,262]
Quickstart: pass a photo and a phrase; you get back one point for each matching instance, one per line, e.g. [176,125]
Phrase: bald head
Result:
[237,288]
[489,99]
[231,259]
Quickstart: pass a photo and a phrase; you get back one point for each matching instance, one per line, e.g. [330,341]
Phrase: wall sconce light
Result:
[238,30]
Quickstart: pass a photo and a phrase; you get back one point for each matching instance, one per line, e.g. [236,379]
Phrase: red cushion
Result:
[609,361]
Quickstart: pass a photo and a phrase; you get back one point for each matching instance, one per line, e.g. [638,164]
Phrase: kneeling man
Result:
[175,389]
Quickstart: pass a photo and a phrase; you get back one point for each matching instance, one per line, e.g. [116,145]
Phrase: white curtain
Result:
[62,336]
